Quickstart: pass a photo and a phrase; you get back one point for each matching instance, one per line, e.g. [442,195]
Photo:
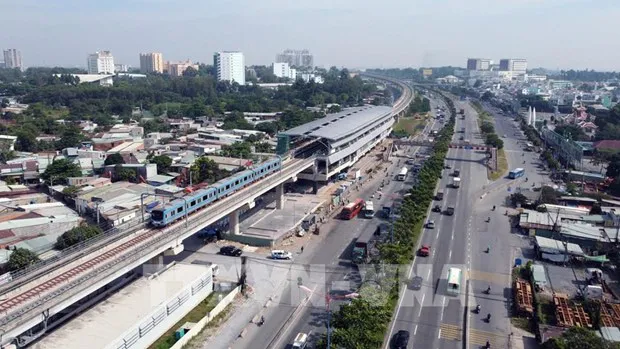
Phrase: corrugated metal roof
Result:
[539,275]
[338,125]
[585,231]
[555,246]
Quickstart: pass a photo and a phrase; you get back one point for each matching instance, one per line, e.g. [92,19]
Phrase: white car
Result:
[281,254]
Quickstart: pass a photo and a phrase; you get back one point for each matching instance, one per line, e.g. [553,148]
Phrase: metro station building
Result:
[340,139]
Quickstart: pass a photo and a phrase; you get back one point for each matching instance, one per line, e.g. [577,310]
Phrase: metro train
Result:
[176,209]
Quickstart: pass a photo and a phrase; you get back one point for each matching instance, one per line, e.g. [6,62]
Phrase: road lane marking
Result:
[480,338]
[415,330]
[450,332]
[497,278]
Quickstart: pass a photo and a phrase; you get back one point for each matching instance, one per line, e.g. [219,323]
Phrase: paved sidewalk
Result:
[522,339]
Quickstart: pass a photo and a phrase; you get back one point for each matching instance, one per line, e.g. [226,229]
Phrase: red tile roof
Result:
[607,144]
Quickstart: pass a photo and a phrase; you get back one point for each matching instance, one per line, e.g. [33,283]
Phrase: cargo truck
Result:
[361,248]
[456,182]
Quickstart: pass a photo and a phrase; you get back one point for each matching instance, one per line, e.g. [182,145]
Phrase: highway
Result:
[290,315]
[433,317]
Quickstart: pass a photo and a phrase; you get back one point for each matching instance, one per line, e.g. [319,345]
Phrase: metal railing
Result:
[69,254]
[160,239]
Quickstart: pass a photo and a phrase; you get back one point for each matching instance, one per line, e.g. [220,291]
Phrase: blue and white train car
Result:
[176,209]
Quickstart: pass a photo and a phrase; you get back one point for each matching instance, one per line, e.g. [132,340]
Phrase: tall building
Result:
[479,64]
[296,58]
[516,65]
[177,69]
[152,62]
[12,58]
[101,62]
[283,70]
[230,66]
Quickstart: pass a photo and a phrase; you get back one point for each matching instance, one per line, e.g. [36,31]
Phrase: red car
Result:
[424,251]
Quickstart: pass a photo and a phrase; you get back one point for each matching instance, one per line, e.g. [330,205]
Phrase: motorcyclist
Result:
[488,219]
[488,249]
[489,317]
[489,289]
[488,346]
[493,207]
[262,320]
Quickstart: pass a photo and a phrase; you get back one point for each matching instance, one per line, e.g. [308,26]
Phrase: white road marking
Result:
[439,334]
[415,330]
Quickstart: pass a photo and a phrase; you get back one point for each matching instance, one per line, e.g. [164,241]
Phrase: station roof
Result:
[338,125]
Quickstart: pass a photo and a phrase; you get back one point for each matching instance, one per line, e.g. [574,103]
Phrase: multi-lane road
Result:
[330,266]
[433,317]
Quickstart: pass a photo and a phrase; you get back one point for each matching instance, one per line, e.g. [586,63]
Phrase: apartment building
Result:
[230,66]
[152,62]
[100,62]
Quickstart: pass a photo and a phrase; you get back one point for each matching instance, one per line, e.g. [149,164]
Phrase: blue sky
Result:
[357,34]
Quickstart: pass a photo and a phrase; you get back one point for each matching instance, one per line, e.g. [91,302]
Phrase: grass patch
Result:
[167,340]
[522,323]
[547,309]
[502,166]
[410,125]
[198,340]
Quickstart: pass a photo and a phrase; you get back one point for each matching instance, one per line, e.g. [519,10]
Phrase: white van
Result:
[300,341]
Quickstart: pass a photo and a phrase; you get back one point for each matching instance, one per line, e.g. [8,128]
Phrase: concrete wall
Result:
[200,325]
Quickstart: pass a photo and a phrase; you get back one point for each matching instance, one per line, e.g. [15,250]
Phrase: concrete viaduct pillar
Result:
[279,196]
[233,222]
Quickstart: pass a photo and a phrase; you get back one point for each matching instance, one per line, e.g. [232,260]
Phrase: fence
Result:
[200,325]
[193,293]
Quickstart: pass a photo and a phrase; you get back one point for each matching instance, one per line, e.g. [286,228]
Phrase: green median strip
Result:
[364,322]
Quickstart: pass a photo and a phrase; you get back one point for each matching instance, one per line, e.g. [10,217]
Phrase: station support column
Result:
[280,196]
[233,221]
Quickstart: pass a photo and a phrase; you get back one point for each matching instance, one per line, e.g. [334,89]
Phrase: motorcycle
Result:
[478,309]
[488,249]
[493,208]
[488,345]
[488,317]
[488,219]
[488,290]
[262,321]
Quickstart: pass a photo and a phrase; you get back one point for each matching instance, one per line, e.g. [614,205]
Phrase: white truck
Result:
[456,182]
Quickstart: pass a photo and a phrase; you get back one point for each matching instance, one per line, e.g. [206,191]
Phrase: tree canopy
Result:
[58,171]
[76,235]
[21,258]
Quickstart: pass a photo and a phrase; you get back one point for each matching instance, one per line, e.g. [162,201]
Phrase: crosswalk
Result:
[493,278]
[454,333]
[451,332]
[480,338]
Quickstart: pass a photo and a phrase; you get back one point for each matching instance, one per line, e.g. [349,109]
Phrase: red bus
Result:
[352,209]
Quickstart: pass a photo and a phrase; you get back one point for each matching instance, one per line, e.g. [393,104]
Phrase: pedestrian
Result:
[302,249]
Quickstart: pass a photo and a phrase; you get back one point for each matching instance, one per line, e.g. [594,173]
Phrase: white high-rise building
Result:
[515,65]
[283,70]
[230,66]
[13,58]
[101,62]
